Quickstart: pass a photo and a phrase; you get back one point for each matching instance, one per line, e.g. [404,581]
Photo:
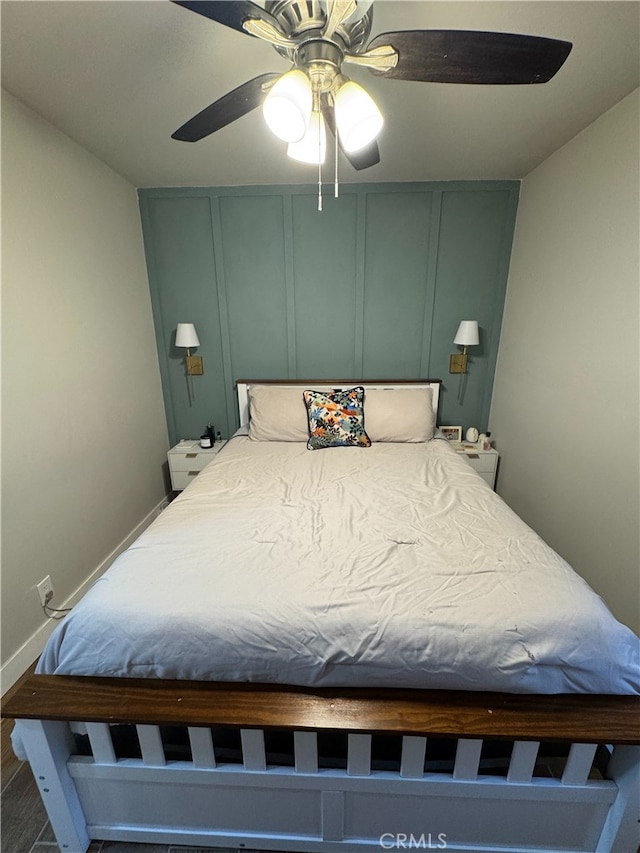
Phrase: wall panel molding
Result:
[375,283]
[434,236]
[361,249]
[290,285]
[223,312]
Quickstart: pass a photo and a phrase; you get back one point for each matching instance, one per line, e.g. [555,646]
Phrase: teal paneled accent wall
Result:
[372,287]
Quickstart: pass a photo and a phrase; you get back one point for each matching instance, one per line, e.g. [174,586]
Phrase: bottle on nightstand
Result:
[484,440]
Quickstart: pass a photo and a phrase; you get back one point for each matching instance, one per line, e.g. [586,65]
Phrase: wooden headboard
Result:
[322,384]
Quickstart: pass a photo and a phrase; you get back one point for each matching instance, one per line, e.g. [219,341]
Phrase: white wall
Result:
[565,403]
[83,429]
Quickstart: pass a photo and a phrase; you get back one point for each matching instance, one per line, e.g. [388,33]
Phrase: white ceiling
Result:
[120,76]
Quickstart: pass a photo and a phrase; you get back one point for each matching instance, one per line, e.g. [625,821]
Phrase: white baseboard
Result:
[18,663]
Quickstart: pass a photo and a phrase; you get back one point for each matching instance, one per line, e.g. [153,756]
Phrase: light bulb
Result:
[287,107]
[313,145]
[358,118]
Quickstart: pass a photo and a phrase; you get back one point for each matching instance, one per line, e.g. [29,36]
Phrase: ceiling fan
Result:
[319,36]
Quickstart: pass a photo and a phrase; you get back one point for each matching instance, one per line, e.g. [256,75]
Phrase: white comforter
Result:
[391,566]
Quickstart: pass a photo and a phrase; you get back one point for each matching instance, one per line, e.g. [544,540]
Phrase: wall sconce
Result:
[466,336]
[187,337]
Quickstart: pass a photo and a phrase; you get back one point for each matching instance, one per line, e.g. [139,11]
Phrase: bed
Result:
[338,637]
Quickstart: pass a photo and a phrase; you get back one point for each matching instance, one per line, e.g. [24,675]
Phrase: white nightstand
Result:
[187,459]
[485,462]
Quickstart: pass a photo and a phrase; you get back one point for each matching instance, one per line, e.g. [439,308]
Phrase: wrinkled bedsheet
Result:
[392,566]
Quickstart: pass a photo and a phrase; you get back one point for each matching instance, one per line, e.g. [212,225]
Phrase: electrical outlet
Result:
[45,590]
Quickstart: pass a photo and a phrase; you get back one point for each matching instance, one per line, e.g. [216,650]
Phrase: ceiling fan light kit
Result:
[312,148]
[358,119]
[287,107]
[318,37]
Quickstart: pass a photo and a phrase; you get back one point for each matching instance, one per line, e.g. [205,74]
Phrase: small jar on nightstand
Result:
[187,459]
[484,441]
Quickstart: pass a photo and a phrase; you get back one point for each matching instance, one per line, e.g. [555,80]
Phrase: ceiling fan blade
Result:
[365,157]
[362,159]
[470,56]
[266,31]
[230,107]
[337,12]
[231,13]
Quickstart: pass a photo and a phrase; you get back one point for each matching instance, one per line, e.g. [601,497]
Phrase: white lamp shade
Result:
[186,335]
[358,118]
[467,334]
[313,145]
[287,107]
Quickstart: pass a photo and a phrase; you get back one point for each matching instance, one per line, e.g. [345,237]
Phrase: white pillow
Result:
[399,414]
[277,414]
[395,414]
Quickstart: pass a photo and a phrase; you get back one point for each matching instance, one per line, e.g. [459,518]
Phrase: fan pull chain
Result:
[335,160]
[319,169]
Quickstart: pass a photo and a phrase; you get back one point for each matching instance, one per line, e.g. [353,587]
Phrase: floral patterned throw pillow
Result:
[336,419]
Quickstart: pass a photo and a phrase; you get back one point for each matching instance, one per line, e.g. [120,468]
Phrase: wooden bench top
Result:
[502,716]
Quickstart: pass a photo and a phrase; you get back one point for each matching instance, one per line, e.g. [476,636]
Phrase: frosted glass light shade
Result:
[186,335]
[287,107]
[313,145]
[358,118]
[467,334]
